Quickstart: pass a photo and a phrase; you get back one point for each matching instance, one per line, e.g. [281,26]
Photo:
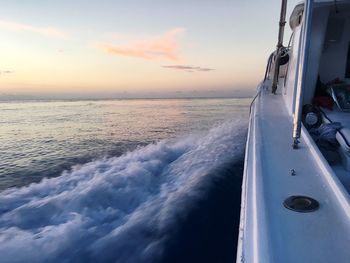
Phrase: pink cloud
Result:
[163,47]
[188,68]
[46,31]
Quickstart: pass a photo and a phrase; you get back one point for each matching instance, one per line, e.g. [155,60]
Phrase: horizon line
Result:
[20,98]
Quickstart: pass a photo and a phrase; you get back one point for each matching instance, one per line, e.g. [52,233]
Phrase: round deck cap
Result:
[302,204]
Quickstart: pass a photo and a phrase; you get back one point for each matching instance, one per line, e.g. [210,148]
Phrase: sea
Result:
[138,180]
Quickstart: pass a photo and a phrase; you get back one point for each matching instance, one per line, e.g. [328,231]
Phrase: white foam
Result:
[116,209]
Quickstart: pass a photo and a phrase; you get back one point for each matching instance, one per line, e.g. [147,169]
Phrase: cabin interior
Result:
[327,83]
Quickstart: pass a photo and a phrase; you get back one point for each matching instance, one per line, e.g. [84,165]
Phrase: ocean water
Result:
[121,180]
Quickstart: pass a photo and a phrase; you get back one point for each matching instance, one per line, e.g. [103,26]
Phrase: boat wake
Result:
[122,209]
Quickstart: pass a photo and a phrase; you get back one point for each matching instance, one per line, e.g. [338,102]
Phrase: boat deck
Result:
[319,236]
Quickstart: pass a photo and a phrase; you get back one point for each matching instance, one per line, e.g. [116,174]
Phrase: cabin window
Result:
[347,73]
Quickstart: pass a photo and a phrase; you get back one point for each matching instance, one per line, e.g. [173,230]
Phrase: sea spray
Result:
[121,209]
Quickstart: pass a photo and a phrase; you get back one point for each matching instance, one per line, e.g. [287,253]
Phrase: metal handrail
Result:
[282,23]
[268,66]
[303,58]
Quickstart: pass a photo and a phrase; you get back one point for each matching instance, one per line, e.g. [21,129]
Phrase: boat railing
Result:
[303,57]
[268,66]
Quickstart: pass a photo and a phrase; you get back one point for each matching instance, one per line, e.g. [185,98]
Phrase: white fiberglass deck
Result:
[269,231]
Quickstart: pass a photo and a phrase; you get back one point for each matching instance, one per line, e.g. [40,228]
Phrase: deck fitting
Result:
[302,204]
[295,144]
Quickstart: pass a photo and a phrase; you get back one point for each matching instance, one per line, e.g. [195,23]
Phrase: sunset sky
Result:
[136,48]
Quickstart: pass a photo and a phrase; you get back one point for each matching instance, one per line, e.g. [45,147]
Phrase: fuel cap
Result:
[302,204]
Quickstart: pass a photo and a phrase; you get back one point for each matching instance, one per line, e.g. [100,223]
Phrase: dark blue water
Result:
[209,232]
[126,180]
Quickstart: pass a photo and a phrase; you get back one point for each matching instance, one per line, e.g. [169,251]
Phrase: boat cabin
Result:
[326,83]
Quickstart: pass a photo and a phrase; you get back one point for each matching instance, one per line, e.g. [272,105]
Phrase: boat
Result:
[295,204]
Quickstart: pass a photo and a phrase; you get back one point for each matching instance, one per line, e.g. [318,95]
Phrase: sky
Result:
[136,48]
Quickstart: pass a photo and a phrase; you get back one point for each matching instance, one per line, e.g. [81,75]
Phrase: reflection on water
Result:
[41,139]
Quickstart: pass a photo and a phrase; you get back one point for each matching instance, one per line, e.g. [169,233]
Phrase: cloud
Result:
[187,68]
[5,72]
[46,31]
[164,47]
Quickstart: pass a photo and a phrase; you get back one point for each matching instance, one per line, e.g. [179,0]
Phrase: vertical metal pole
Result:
[282,23]
[279,44]
[302,70]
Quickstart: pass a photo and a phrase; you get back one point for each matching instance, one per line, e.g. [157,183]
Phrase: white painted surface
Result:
[290,86]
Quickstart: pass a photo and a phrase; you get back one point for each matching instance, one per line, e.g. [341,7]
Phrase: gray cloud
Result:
[188,68]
